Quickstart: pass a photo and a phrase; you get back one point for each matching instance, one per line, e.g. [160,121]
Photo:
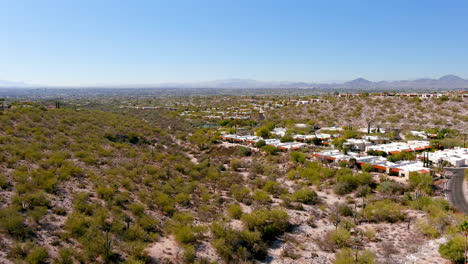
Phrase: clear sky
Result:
[85,42]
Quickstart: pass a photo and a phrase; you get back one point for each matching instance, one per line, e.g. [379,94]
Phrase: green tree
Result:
[421,182]
[260,143]
[287,138]
[272,150]
[263,132]
[338,142]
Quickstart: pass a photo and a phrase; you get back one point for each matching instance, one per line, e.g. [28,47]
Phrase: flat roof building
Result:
[457,157]
[397,147]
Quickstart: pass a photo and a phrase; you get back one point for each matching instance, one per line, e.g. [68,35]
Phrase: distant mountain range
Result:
[444,82]
[4,83]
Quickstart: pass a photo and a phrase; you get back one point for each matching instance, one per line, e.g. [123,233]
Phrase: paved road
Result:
[455,190]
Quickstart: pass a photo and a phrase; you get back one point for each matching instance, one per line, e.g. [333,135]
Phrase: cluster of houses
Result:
[311,101]
[399,168]
[301,140]
[457,157]
[370,149]
[271,142]
[434,95]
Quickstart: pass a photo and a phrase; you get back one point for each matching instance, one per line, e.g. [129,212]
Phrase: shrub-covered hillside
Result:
[85,185]
[146,186]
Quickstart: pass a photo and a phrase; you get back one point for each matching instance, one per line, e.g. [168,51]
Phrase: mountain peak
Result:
[359,81]
[450,78]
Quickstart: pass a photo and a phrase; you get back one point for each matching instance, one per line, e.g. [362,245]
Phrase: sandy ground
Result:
[165,250]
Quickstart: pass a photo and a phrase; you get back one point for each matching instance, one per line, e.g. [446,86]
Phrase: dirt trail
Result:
[428,253]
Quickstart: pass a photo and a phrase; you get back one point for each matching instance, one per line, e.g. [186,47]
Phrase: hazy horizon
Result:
[20,84]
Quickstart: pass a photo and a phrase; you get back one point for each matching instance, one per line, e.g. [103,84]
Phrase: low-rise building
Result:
[331,129]
[359,144]
[375,139]
[279,131]
[372,130]
[397,147]
[457,157]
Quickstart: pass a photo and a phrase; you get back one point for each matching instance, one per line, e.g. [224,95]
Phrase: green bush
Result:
[4,184]
[363,191]
[305,195]
[136,233]
[426,228]
[65,256]
[137,208]
[77,224]
[272,150]
[343,209]
[234,211]
[235,164]
[341,188]
[270,223]
[261,196]
[339,238]
[260,143]
[273,187]
[31,200]
[241,194]
[420,181]
[430,205]
[81,204]
[391,187]
[298,157]
[454,249]
[367,168]
[189,254]
[385,210]
[263,132]
[184,234]
[12,222]
[148,223]
[347,256]
[37,213]
[235,246]
[347,182]
[59,211]
[183,198]
[38,255]
[105,192]
[287,138]
[401,156]
[245,152]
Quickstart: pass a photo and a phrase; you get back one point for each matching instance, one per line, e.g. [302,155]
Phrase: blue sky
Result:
[86,42]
